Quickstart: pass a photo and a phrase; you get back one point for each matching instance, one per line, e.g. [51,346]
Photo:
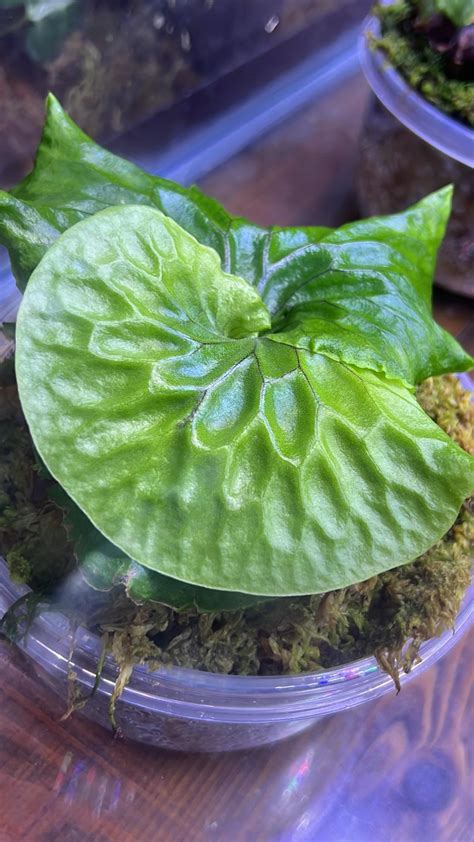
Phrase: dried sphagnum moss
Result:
[380,616]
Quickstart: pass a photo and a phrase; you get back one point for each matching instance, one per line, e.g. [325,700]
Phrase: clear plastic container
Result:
[114,63]
[189,710]
[410,148]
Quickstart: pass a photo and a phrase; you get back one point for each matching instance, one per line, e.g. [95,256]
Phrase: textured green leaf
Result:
[27,232]
[104,566]
[361,293]
[203,446]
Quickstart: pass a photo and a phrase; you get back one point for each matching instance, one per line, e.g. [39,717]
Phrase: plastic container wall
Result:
[113,63]
[189,710]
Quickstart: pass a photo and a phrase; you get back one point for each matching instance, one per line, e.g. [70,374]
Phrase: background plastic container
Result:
[249,76]
[445,133]
[114,63]
[410,148]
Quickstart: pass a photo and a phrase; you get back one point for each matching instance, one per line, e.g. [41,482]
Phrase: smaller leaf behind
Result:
[361,293]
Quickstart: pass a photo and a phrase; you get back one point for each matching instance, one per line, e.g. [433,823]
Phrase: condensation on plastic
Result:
[445,133]
[190,710]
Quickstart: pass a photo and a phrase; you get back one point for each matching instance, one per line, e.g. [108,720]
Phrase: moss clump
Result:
[378,617]
[428,51]
[32,538]
[450,406]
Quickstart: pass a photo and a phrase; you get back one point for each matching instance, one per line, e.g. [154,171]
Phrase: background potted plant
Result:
[418,59]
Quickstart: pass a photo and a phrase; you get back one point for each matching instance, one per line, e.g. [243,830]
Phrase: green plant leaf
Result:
[361,296]
[202,445]
[461,12]
[104,566]
[333,283]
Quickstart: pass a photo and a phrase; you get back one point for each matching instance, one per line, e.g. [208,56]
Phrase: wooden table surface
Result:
[399,769]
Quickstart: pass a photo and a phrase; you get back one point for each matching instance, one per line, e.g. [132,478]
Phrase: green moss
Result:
[32,538]
[423,67]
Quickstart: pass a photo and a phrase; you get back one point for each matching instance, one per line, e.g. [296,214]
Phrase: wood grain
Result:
[396,769]
[399,769]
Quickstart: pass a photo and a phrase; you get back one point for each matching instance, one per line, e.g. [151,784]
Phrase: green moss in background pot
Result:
[434,52]
[431,42]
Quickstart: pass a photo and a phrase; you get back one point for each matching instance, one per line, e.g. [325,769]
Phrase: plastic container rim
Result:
[437,128]
[198,695]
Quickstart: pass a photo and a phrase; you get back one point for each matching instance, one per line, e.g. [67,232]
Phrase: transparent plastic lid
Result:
[445,133]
